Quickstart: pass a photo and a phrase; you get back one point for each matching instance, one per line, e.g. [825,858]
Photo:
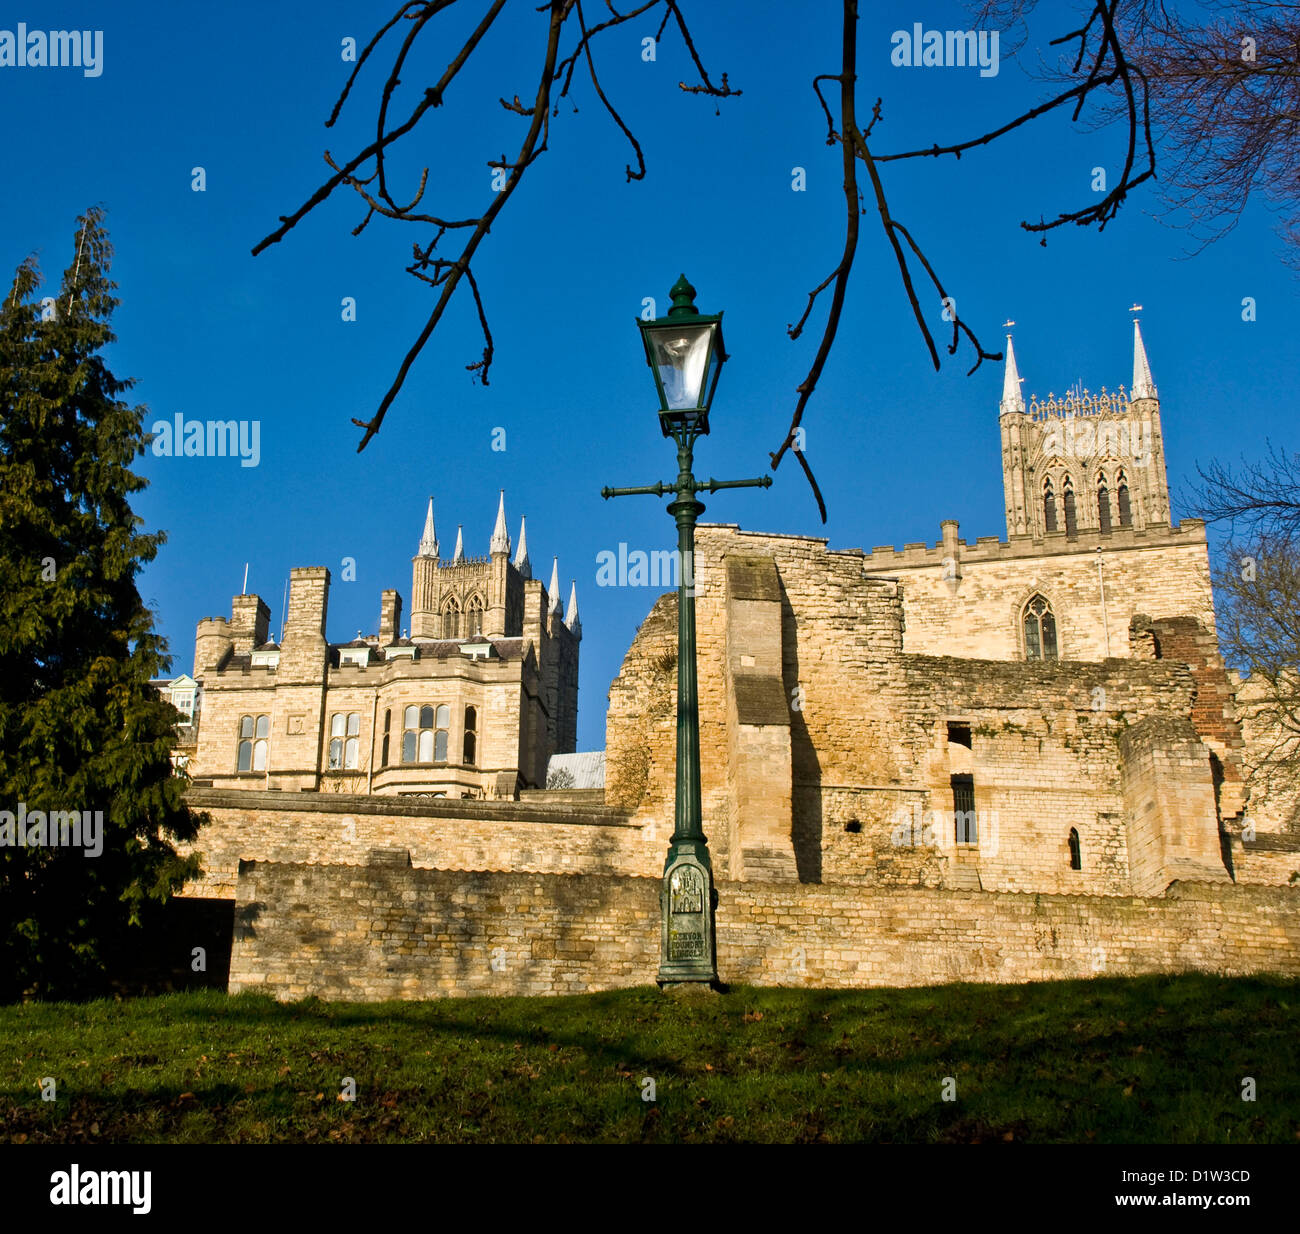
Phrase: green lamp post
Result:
[685,353]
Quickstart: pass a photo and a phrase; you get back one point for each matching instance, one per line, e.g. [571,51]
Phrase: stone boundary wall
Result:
[449,835]
[381,931]
[1267,859]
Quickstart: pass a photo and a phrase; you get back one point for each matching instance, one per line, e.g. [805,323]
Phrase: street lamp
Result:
[685,354]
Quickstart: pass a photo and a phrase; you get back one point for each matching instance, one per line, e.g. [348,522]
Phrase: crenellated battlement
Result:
[919,554]
[991,548]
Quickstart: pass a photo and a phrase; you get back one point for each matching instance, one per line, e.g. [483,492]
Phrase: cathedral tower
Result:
[468,596]
[1081,461]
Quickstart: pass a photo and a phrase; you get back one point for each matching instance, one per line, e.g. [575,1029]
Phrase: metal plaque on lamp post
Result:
[685,353]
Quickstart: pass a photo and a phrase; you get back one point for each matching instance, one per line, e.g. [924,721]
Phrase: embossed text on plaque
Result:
[685,945]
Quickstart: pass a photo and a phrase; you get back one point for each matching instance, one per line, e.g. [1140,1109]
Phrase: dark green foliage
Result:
[80,727]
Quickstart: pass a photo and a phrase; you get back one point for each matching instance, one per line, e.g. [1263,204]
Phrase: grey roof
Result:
[587,768]
[444,648]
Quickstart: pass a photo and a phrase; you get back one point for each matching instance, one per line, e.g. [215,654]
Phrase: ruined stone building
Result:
[1047,712]
[471,701]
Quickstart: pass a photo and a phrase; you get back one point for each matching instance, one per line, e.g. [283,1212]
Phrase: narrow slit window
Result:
[965,824]
[471,735]
[1125,508]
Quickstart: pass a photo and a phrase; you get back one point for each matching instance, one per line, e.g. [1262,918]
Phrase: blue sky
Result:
[209,331]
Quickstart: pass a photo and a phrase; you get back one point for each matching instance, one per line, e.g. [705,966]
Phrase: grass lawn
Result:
[1145,1060]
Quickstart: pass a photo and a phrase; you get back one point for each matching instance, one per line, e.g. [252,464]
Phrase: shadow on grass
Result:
[1118,1058]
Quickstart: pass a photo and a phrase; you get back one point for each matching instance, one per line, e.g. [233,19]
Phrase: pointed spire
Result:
[522,564]
[1143,385]
[571,617]
[500,537]
[1012,399]
[459,555]
[553,591]
[429,541]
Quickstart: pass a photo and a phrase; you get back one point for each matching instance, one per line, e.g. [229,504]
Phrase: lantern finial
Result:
[683,295]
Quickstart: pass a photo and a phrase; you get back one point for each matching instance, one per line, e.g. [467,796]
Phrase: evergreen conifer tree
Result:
[81,729]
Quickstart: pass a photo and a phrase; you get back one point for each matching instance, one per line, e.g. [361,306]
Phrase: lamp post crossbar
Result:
[711,486]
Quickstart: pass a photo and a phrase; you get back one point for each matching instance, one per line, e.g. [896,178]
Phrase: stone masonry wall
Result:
[641,727]
[1166,809]
[1267,858]
[446,835]
[1271,762]
[380,931]
[1162,572]
[1045,758]
[1214,712]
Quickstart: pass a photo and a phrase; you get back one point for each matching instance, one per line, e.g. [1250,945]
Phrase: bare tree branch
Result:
[639,174]
[446,273]
[449,273]
[1262,497]
[1110,67]
[840,276]
[432,98]
[1098,45]
[1221,82]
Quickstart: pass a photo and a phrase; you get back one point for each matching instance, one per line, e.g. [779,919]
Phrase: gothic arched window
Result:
[254,733]
[1049,507]
[451,618]
[418,734]
[410,732]
[1040,630]
[440,738]
[1125,509]
[1071,524]
[1076,854]
[474,617]
[345,740]
[1103,503]
[426,734]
